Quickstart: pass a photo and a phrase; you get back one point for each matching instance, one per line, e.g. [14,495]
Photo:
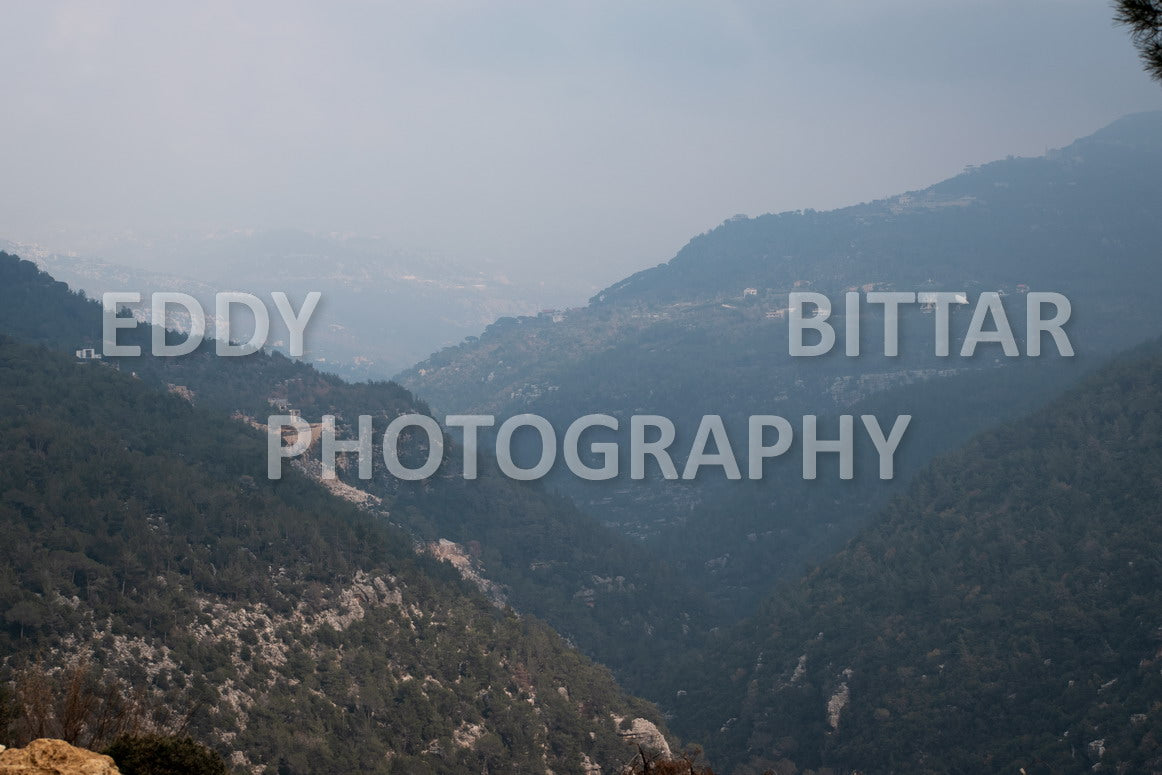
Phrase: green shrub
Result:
[162,755]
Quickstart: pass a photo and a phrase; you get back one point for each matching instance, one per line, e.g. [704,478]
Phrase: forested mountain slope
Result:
[305,635]
[1005,612]
[542,555]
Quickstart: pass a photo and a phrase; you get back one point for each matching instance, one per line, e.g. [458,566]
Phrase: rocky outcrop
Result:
[839,700]
[644,732]
[455,554]
[588,767]
[54,757]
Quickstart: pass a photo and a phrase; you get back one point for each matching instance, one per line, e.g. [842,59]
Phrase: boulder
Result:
[54,757]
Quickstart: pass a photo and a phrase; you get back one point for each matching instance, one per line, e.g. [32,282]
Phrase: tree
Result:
[164,755]
[77,704]
[1144,18]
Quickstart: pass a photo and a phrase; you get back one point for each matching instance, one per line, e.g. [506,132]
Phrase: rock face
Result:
[644,732]
[54,757]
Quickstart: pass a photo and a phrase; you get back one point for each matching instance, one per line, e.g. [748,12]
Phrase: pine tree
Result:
[1144,18]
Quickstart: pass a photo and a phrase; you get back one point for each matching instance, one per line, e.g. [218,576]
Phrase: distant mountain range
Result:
[383,309]
[706,333]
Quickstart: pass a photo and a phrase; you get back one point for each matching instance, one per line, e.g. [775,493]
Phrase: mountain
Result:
[382,309]
[306,635]
[527,547]
[707,333]
[1003,613]
[988,610]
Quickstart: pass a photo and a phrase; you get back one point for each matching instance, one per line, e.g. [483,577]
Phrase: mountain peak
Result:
[1136,130]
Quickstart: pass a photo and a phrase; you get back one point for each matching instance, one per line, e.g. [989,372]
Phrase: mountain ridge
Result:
[707,333]
[1002,613]
[142,538]
[547,559]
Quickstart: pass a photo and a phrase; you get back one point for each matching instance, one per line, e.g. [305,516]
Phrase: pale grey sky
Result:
[585,139]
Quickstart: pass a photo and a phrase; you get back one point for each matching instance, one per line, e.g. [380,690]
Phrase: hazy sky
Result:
[589,138]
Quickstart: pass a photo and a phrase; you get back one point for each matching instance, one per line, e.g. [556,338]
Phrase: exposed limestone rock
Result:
[351,494]
[454,553]
[588,767]
[181,391]
[54,757]
[270,635]
[645,733]
[838,702]
[153,659]
[466,735]
[800,670]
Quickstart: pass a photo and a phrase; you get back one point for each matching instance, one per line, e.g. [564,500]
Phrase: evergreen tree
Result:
[1144,18]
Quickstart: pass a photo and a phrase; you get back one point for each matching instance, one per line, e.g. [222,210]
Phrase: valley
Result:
[708,333]
[581,388]
[643,524]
